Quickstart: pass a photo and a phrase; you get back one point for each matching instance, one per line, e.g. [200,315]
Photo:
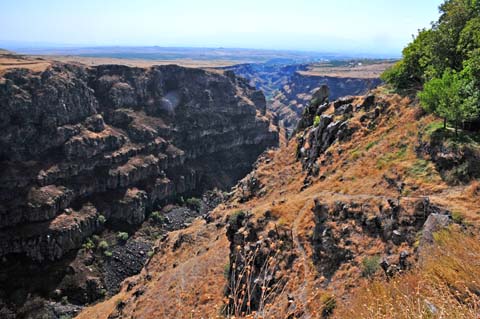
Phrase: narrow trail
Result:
[302,290]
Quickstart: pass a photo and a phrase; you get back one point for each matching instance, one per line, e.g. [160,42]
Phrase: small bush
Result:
[355,155]
[108,253]
[235,216]
[122,237]
[370,265]
[226,270]
[103,245]
[194,203]
[88,245]
[158,217]
[458,217]
[101,219]
[316,121]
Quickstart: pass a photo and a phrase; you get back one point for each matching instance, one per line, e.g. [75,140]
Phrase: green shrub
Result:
[122,236]
[158,217]
[103,245]
[316,121]
[194,203]
[445,97]
[88,245]
[458,217]
[101,219]
[235,216]
[226,270]
[108,253]
[370,265]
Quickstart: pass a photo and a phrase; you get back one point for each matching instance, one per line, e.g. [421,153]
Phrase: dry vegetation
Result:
[189,282]
[9,60]
[443,285]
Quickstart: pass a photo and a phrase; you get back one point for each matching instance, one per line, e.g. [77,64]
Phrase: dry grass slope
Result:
[444,285]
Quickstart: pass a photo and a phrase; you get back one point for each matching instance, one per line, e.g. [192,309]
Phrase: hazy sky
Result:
[366,26]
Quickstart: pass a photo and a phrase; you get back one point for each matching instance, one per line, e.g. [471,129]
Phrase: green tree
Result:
[469,40]
[444,46]
[449,97]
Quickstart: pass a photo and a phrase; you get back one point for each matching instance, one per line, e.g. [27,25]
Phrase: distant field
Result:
[39,63]
[12,61]
[174,54]
[143,63]
[39,60]
[353,69]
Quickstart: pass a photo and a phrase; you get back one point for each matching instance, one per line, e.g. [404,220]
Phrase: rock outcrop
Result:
[391,222]
[324,123]
[295,96]
[116,141]
[457,162]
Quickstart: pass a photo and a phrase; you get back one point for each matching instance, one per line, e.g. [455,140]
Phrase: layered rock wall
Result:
[115,141]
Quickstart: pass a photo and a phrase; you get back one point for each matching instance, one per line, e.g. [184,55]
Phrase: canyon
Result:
[255,190]
[289,86]
[86,151]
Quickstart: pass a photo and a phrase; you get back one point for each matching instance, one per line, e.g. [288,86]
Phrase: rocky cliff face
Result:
[268,77]
[116,141]
[295,96]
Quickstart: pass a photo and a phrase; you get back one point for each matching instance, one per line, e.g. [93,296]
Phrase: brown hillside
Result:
[322,236]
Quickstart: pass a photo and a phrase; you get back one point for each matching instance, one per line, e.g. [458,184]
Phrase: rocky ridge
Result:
[295,95]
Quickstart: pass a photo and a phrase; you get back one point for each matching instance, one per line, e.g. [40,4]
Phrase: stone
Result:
[368,102]
[321,95]
[434,223]
[343,101]
[95,123]
[344,109]
[397,237]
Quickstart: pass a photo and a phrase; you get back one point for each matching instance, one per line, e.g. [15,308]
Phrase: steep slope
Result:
[88,149]
[303,233]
